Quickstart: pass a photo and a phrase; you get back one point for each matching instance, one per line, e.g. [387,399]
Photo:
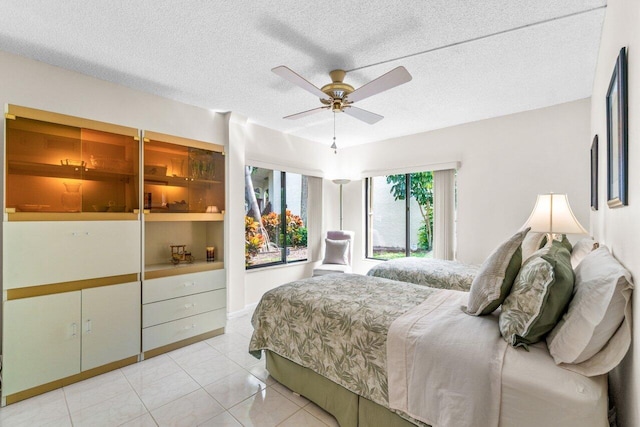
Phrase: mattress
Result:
[536,392]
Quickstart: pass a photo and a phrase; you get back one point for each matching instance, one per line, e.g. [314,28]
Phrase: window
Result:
[275,217]
[397,225]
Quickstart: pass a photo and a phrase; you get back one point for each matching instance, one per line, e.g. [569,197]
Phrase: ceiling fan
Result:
[338,96]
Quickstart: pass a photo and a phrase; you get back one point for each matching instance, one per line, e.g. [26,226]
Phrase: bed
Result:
[326,339]
[432,272]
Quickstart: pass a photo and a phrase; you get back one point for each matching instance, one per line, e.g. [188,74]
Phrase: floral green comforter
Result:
[337,326]
[432,272]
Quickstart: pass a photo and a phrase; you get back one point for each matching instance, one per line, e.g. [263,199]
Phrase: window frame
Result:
[283,226]
[407,213]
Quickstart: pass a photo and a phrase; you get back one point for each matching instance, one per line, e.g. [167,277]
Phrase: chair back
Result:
[343,235]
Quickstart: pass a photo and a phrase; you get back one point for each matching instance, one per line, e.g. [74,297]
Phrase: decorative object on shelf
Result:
[72,198]
[553,215]
[75,164]
[180,254]
[110,164]
[147,200]
[617,135]
[156,170]
[201,164]
[181,206]
[594,174]
[210,254]
[212,209]
[30,207]
[177,165]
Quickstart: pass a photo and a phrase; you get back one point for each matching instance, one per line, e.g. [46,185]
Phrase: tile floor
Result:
[211,383]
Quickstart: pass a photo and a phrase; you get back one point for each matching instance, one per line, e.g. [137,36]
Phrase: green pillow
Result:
[565,243]
[496,275]
[539,296]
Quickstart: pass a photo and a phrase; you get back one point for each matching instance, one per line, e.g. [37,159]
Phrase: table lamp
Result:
[552,215]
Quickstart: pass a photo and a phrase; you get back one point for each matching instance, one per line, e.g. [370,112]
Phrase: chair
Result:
[337,255]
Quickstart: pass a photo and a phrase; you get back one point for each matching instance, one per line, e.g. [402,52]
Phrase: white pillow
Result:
[595,332]
[531,244]
[581,249]
[336,252]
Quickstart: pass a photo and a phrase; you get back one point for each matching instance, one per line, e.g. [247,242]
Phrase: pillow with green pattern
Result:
[539,296]
[495,277]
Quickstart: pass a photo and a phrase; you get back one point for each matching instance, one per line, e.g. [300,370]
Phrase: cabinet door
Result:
[110,324]
[41,340]
[66,251]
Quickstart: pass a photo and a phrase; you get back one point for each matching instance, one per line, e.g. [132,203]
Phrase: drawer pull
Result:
[88,326]
[74,330]
[193,326]
[188,284]
[79,233]
[190,305]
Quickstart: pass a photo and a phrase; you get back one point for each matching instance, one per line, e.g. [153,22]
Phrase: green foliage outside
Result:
[421,189]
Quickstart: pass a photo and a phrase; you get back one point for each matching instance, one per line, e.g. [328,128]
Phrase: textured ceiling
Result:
[469,60]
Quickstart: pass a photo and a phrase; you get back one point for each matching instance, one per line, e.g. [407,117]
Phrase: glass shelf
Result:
[67,165]
[182,176]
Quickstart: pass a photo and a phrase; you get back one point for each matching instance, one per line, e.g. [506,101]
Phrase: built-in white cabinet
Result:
[91,281]
[110,324]
[41,340]
[66,251]
[51,337]
[183,306]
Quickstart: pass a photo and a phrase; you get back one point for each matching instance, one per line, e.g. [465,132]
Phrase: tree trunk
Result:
[250,195]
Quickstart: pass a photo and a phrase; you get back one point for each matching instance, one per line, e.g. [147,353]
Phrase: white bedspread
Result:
[444,366]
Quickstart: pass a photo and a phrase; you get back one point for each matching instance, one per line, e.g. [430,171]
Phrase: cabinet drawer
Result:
[39,253]
[177,330]
[178,286]
[178,308]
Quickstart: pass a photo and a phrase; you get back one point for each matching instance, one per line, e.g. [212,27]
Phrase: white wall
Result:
[270,149]
[619,228]
[505,163]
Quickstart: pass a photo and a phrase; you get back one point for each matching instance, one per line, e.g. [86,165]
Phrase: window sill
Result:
[277,266]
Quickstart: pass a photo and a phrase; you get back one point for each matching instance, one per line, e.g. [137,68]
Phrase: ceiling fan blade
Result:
[287,74]
[305,113]
[393,78]
[364,115]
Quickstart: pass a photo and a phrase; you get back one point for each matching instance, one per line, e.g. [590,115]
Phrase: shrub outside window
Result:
[272,237]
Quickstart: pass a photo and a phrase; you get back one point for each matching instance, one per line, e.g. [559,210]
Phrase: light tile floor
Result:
[210,383]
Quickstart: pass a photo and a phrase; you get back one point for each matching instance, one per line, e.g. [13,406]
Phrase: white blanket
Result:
[445,366]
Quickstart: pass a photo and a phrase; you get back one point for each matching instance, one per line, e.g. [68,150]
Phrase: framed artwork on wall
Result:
[594,174]
[617,136]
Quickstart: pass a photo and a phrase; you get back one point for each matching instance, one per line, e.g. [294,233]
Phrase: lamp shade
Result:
[552,214]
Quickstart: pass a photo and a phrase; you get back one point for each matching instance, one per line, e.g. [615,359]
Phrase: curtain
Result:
[444,214]
[314,221]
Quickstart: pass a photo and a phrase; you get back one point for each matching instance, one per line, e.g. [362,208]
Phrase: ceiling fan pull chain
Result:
[334,146]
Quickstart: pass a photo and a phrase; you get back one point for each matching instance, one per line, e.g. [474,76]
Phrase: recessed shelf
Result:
[155,271]
[173,216]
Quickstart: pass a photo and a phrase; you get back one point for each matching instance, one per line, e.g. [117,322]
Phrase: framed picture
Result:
[617,144]
[594,174]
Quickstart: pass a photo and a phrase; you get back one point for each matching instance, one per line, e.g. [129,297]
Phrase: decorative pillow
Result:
[495,277]
[531,243]
[564,242]
[581,249]
[336,252]
[595,333]
[539,296]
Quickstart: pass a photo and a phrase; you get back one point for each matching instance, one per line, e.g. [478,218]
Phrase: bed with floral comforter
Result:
[337,326]
[432,272]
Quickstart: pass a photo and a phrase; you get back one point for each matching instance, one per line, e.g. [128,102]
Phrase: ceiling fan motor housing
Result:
[337,91]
